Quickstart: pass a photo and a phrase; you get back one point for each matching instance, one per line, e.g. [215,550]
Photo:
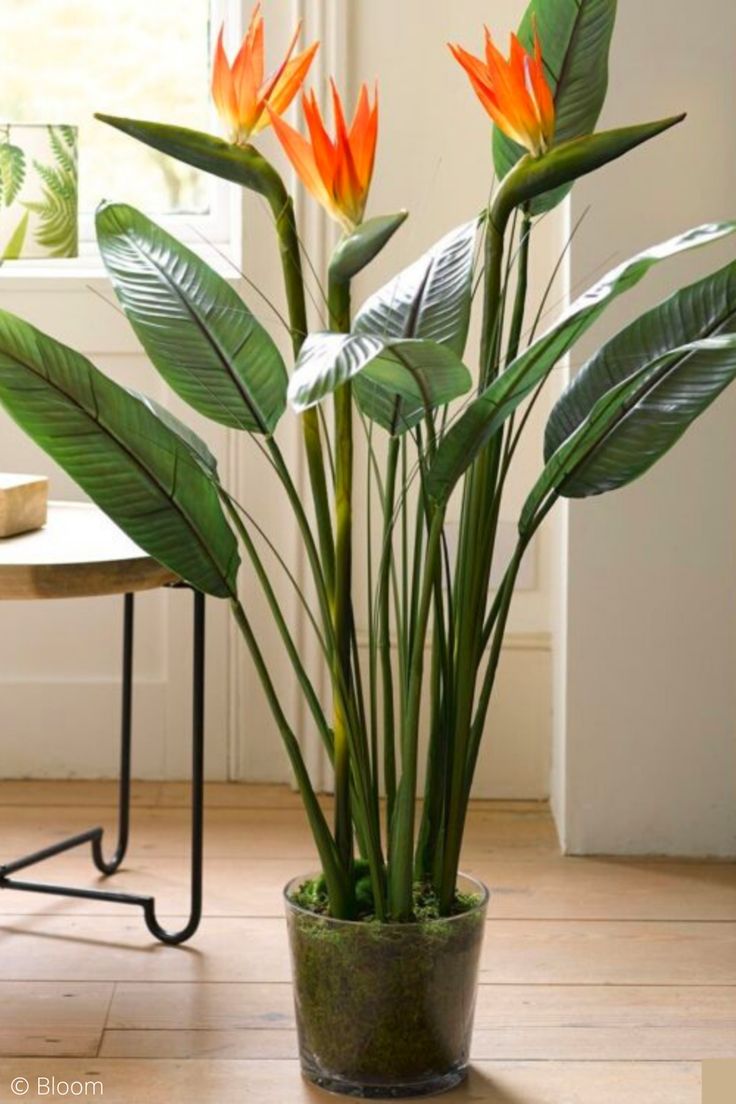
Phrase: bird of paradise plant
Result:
[395,372]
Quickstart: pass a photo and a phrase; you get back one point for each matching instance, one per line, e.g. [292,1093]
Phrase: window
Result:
[62,60]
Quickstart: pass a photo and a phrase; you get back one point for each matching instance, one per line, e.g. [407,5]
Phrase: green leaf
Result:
[12,171]
[636,423]
[197,331]
[401,386]
[358,249]
[704,309]
[396,382]
[125,458]
[565,163]
[576,41]
[14,247]
[487,413]
[429,300]
[199,450]
[239,164]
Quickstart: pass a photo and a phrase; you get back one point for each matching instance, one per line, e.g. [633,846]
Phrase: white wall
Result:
[647,759]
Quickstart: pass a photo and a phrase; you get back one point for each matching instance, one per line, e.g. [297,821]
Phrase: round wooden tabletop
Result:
[79,554]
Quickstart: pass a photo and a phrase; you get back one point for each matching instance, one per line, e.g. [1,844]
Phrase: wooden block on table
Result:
[23,503]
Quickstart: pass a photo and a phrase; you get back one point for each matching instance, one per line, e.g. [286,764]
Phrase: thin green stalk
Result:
[292,651]
[313,555]
[339,308]
[384,634]
[401,855]
[506,594]
[291,260]
[477,553]
[405,616]
[337,885]
[522,286]
[372,637]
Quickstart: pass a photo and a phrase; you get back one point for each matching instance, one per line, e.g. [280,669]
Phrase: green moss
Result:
[312,896]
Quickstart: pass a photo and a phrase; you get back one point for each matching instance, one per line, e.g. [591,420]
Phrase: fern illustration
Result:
[12,171]
[57,211]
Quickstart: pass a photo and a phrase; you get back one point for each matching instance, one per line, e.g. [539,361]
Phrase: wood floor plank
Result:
[209,1006]
[512,1022]
[275,1082]
[515,952]
[44,794]
[244,833]
[502,1044]
[554,888]
[52,1018]
[247,1044]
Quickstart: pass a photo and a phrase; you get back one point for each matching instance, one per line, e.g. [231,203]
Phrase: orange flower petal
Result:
[285,88]
[325,153]
[514,91]
[223,87]
[300,153]
[363,137]
[347,189]
[248,72]
[240,92]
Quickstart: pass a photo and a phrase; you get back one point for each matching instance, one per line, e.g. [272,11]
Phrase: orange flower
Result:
[241,93]
[338,173]
[515,93]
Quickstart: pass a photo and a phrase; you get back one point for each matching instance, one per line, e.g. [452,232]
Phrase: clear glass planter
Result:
[385,1010]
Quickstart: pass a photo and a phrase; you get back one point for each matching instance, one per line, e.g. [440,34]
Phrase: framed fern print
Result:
[39,204]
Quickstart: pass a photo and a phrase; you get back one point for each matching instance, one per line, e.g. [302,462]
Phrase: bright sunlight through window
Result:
[62,60]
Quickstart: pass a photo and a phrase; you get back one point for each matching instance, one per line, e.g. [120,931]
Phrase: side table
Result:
[82,554]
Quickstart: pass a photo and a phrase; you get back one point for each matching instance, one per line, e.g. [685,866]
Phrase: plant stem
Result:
[291,260]
[401,855]
[339,308]
[337,884]
[280,622]
[476,551]
[384,632]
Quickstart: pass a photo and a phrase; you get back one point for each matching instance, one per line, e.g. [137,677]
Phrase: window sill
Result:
[73,273]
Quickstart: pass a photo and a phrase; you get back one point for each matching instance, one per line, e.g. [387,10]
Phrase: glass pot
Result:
[385,1010]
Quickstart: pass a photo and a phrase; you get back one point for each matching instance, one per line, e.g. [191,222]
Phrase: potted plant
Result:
[386,935]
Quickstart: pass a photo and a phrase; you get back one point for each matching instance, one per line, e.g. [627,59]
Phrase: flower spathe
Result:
[243,95]
[337,172]
[514,91]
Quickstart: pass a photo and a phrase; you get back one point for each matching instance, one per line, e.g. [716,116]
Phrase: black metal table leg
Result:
[94,836]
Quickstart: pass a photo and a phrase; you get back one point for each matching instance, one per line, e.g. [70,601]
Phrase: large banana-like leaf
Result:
[636,423]
[199,451]
[431,299]
[704,309]
[576,40]
[487,413]
[400,387]
[238,164]
[197,331]
[116,448]
[396,381]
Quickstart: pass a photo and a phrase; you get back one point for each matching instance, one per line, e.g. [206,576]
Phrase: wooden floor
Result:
[602,982]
